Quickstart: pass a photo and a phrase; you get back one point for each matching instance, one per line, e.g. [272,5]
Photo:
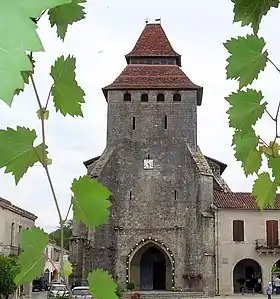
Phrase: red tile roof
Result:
[239,200]
[152,77]
[153,42]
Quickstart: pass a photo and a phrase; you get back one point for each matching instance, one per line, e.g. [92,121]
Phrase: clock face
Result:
[148,164]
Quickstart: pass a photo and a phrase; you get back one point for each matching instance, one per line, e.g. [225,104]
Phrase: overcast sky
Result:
[196,29]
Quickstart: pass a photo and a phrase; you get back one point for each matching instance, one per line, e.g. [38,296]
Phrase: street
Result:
[43,295]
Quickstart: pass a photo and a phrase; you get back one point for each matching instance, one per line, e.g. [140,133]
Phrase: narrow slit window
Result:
[133,123]
[148,157]
[127,97]
[175,195]
[144,97]
[165,122]
[130,195]
[177,97]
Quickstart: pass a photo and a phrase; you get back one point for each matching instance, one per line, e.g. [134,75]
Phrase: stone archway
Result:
[151,268]
[247,275]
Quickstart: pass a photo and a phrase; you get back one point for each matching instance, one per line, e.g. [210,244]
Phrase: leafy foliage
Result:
[90,203]
[18,24]
[247,58]
[102,285]
[18,152]
[15,21]
[68,95]
[32,260]
[67,234]
[8,270]
[250,12]
[64,15]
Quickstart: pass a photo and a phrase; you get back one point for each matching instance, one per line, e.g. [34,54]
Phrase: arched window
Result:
[160,97]
[144,97]
[177,97]
[12,234]
[127,97]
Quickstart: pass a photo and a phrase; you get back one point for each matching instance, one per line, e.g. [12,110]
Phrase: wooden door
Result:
[272,233]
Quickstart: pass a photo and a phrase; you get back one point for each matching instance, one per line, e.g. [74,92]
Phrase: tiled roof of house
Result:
[239,200]
[152,76]
[153,42]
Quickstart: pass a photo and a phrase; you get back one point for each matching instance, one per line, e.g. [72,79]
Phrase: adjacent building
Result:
[174,224]
[12,221]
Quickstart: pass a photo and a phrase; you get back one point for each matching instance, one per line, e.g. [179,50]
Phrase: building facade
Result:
[247,247]
[171,218]
[12,221]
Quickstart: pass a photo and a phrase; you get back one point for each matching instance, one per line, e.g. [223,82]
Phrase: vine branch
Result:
[45,165]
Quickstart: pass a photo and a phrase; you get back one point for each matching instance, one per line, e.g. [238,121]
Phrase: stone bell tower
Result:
[160,234]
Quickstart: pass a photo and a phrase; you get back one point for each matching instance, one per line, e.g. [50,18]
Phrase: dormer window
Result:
[127,97]
[160,97]
[144,97]
[176,97]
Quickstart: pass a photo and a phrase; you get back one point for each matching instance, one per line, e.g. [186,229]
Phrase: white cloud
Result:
[196,29]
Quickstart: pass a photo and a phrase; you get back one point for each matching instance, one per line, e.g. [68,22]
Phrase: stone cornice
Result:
[5,204]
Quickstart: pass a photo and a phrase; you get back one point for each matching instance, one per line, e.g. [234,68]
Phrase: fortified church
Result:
[161,232]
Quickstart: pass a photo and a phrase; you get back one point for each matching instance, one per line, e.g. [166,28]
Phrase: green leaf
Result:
[26,75]
[247,58]
[67,268]
[68,95]
[246,108]
[250,12]
[274,164]
[264,190]
[90,201]
[65,15]
[18,35]
[245,146]
[43,113]
[102,285]
[32,260]
[17,152]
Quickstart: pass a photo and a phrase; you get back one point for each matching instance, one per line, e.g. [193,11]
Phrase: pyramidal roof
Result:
[153,42]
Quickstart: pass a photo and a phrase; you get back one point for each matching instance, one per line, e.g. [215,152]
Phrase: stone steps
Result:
[168,295]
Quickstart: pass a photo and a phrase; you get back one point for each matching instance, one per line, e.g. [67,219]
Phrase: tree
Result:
[248,57]
[8,271]
[19,147]
[67,233]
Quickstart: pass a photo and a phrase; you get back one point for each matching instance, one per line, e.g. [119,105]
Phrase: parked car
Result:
[37,286]
[81,292]
[57,290]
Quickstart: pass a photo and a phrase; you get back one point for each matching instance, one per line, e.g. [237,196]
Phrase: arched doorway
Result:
[150,268]
[247,276]
[275,276]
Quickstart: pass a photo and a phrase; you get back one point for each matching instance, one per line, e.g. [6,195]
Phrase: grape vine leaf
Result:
[274,164]
[17,152]
[246,108]
[67,268]
[102,285]
[32,260]
[64,15]
[247,58]
[245,146]
[250,12]
[264,190]
[26,75]
[18,35]
[67,94]
[90,201]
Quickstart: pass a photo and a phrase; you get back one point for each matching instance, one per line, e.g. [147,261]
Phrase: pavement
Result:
[43,295]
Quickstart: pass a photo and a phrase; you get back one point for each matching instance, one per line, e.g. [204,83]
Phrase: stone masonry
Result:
[167,207]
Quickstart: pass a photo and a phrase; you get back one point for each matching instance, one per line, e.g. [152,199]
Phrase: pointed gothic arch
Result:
[151,266]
